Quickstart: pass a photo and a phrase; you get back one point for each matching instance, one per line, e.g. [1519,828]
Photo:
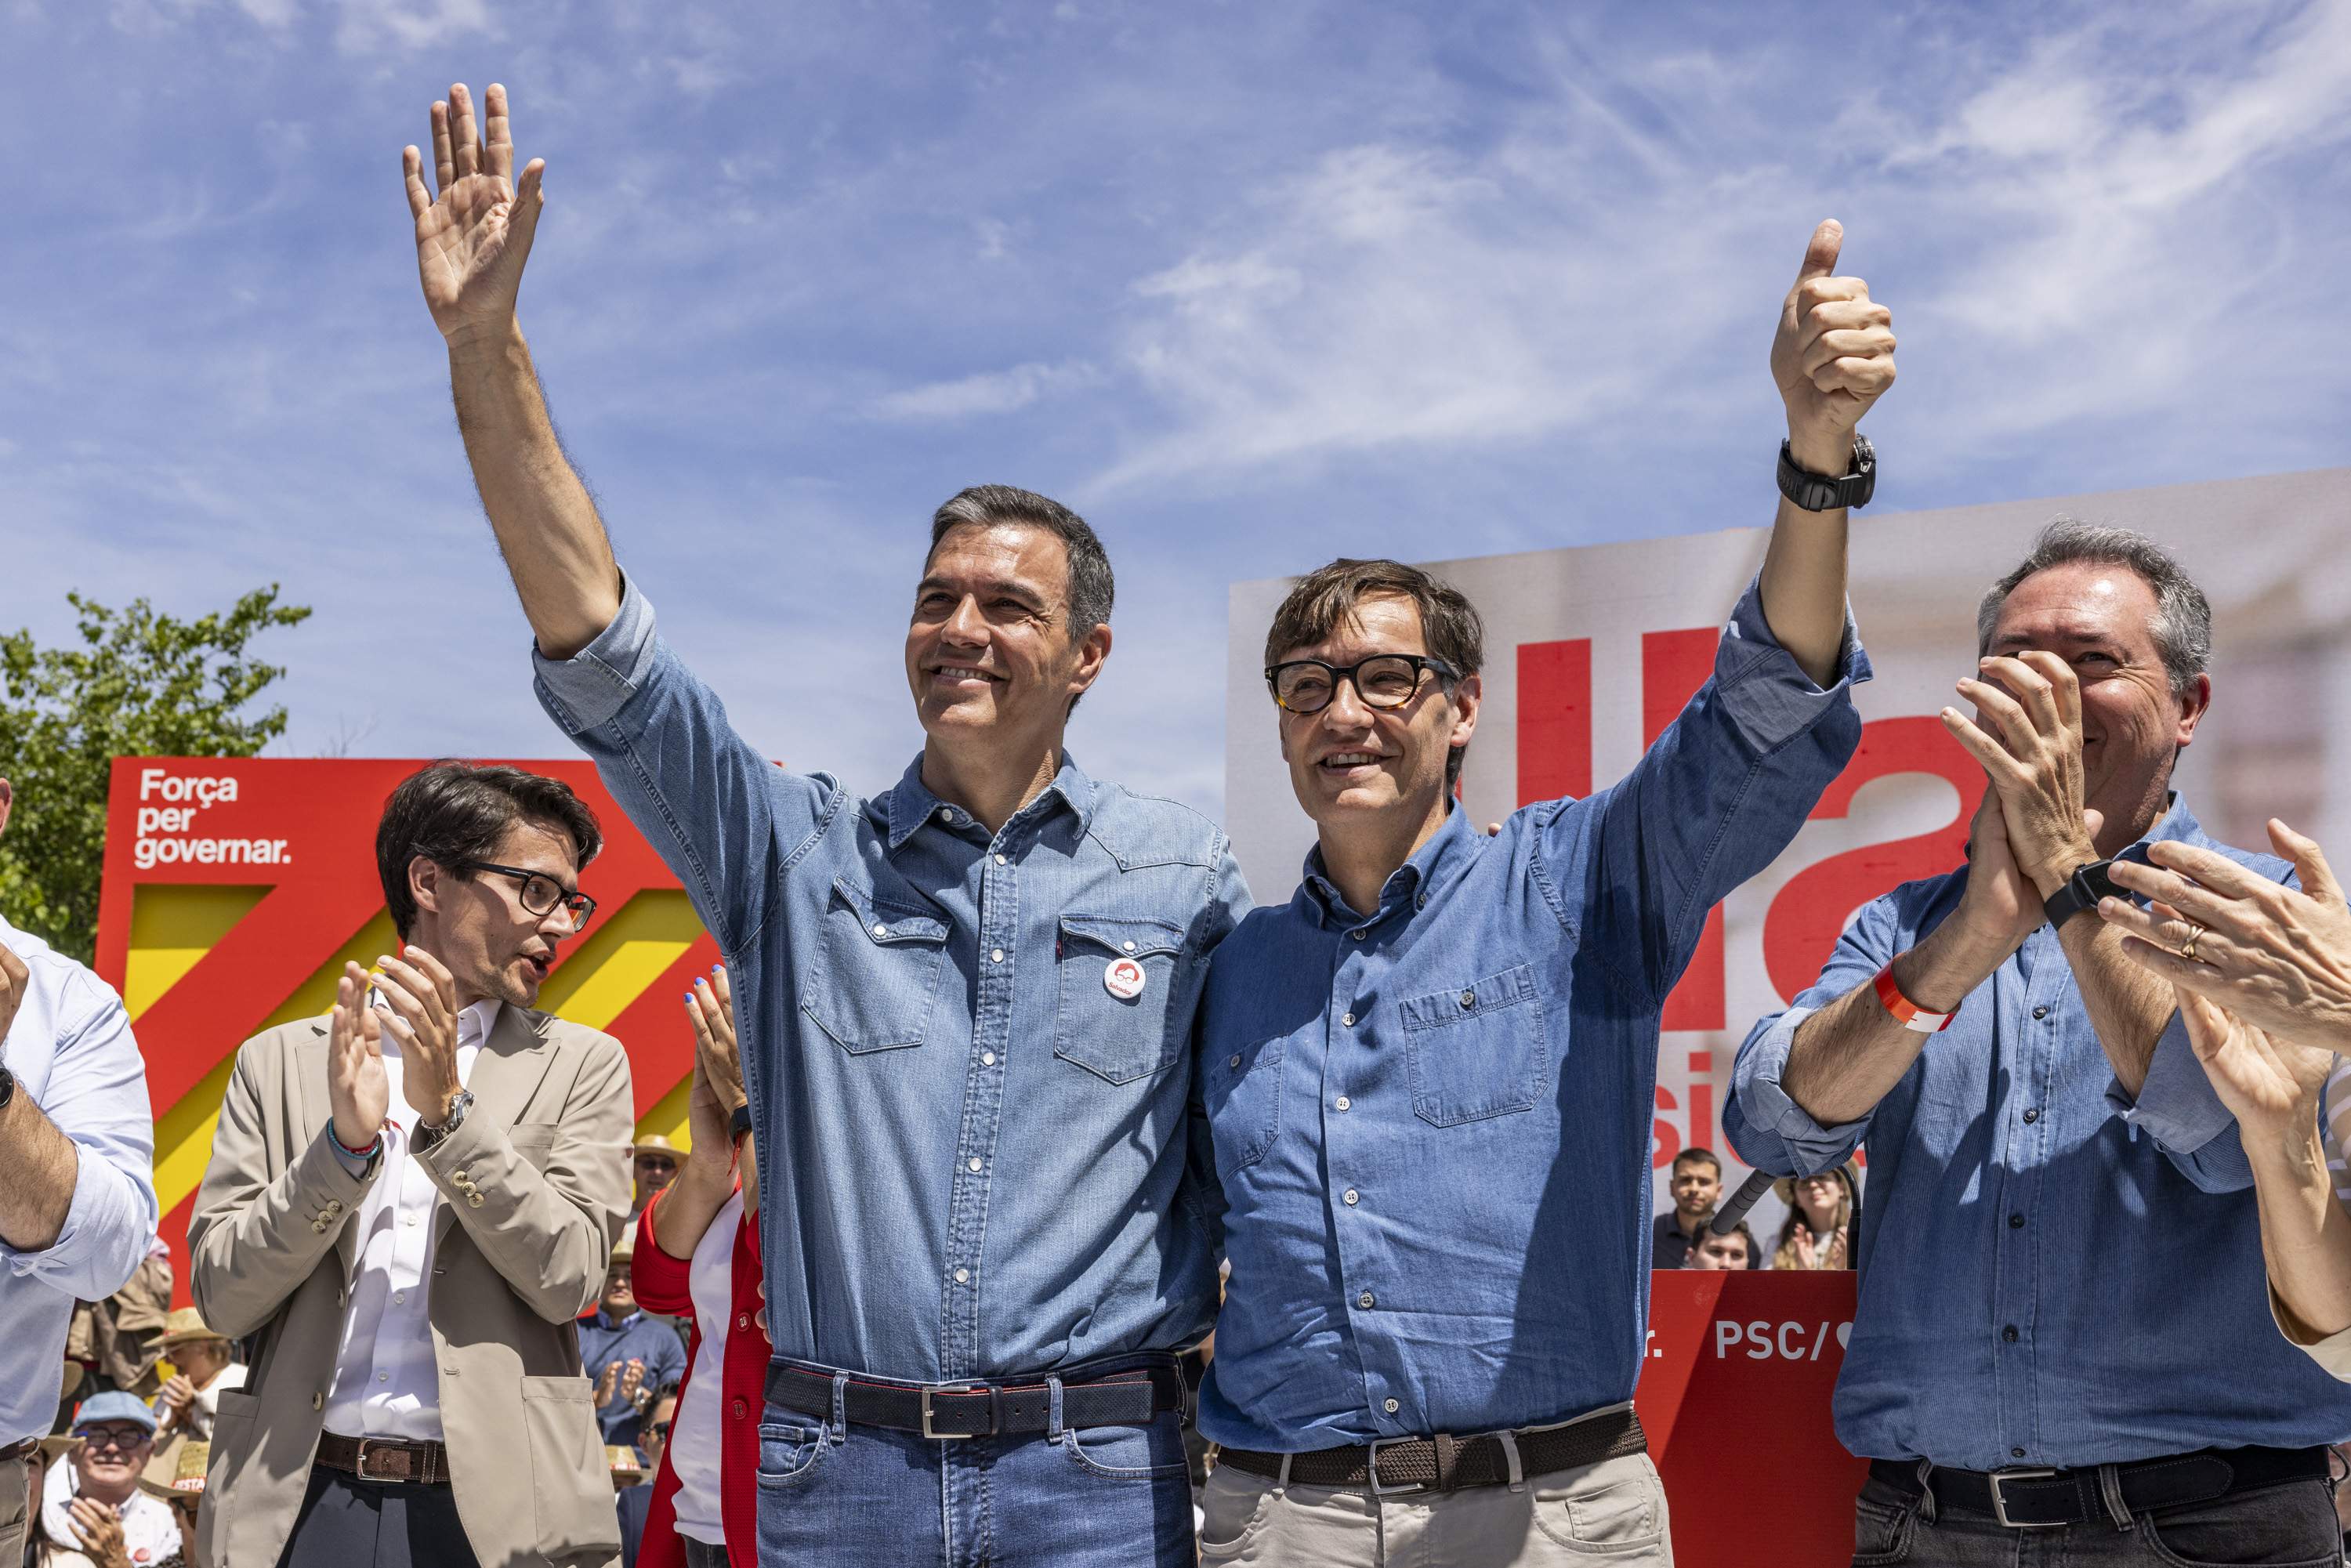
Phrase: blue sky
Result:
[1250,284]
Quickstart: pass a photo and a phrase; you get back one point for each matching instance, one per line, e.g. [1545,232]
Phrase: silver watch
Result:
[426,1137]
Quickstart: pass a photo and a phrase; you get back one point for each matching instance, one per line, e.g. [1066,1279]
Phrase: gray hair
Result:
[2182,624]
[1091,589]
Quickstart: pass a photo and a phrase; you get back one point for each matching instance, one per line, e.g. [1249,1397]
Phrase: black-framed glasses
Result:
[1383,681]
[540,892]
[117,1437]
[659,1429]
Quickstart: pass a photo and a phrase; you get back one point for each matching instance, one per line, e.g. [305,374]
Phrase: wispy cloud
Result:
[990,391]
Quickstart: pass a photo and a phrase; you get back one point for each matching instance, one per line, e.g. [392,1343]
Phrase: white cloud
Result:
[990,392]
[413,25]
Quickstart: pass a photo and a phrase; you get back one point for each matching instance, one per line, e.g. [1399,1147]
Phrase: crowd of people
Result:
[1030,1074]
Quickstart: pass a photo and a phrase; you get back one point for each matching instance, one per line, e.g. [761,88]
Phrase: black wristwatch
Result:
[7,1087]
[2081,891]
[739,1124]
[1817,493]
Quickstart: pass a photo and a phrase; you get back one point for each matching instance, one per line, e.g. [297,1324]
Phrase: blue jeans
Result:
[868,1497]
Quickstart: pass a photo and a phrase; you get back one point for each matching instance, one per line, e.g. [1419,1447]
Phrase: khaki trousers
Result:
[16,1508]
[1613,1512]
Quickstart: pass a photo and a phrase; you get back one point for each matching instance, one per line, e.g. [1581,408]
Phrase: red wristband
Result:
[1909,1014]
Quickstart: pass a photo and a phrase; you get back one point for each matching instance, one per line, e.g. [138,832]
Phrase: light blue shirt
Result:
[71,1050]
[967,1054]
[1431,1119]
[2052,1272]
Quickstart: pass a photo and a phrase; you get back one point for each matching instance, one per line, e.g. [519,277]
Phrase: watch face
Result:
[2098,882]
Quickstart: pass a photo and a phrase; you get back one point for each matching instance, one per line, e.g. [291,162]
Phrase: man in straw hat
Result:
[207,1366]
[653,1161]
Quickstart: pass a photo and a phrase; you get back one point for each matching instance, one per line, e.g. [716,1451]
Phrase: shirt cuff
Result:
[1763,684]
[1816,1146]
[2176,1105]
[586,690]
[106,1235]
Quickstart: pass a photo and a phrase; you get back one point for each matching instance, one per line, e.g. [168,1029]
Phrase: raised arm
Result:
[473,239]
[1832,357]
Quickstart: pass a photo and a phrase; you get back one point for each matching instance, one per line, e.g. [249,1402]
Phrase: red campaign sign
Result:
[1735,1400]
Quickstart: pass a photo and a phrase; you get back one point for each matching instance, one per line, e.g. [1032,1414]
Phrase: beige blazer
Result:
[534,1191]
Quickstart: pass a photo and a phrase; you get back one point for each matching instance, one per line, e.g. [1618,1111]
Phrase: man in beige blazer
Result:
[408,1203]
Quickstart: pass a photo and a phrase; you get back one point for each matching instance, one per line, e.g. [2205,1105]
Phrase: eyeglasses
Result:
[1384,681]
[540,892]
[659,1429]
[120,1437]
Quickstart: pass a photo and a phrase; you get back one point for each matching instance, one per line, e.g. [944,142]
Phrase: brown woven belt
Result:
[385,1458]
[1448,1464]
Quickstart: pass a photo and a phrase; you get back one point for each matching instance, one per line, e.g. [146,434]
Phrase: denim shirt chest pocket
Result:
[1121,976]
[1477,1049]
[1242,1091]
[878,966]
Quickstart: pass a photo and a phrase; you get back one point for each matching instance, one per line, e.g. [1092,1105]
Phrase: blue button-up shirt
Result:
[71,1050]
[2052,1273]
[640,1336]
[973,1140]
[1431,1119]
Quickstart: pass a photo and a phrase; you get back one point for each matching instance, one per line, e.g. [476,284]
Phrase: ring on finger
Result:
[2188,948]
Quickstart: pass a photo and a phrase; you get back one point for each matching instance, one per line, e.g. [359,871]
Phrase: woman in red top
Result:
[698,1254]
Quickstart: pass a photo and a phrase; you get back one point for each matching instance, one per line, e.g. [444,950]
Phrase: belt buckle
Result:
[2000,1503]
[406,1457]
[1372,1467]
[956,1436]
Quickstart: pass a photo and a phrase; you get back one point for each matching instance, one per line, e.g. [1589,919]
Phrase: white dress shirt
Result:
[387,1379]
[71,1050]
[694,1426]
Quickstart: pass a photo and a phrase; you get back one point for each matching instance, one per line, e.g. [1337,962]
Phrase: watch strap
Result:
[1818,491]
[2081,891]
[427,1137]
[1909,1014]
[7,1087]
[739,1126]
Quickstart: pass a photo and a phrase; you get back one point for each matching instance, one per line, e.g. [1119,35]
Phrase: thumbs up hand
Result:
[1832,357]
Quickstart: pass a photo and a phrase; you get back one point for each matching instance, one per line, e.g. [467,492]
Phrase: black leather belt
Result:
[1448,1464]
[1134,1396]
[2041,1499]
[385,1458]
[23,1450]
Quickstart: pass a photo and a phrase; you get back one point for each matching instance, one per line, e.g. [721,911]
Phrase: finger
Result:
[433,969]
[412,169]
[2310,865]
[445,158]
[2007,716]
[2093,822]
[2219,873]
[464,134]
[2143,923]
[2200,905]
[2184,973]
[2000,765]
[2030,688]
[1861,380]
[522,217]
[498,140]
[1828,347]
[2208,1026]
[724,983]
[2063,685]
[1821,251]
[371,1031]
[432,1006]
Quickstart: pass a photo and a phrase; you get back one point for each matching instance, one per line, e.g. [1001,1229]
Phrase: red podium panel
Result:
[1735,1400]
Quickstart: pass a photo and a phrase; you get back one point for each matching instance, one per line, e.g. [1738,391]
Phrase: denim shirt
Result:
[923,1005]
[1431,1120]
[2052,1273]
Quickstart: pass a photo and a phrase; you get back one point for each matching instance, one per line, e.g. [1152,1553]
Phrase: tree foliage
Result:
[136,683]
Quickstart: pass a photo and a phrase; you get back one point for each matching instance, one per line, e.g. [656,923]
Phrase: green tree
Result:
[138,684]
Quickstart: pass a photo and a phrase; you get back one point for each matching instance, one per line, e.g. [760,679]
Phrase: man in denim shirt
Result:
[2062,1343]
[1429,1077]
[967,1002]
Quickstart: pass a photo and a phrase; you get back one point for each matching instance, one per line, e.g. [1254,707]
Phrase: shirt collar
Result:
[912,804]
[1435,861]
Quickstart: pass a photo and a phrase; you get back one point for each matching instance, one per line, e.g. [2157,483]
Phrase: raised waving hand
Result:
[472,236]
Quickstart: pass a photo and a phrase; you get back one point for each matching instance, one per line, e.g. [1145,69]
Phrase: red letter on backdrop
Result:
[1674,664]
[1555,720]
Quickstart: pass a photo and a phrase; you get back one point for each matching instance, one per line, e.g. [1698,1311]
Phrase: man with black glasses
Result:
[1430,1076]
[408,1204]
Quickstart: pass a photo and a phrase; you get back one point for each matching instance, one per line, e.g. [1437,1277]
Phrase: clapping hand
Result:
[423,1019]
[717,1090]
[358,1091]
[604,1385]
[2034,702]
[632,1388]
[100,1531]
[473,238]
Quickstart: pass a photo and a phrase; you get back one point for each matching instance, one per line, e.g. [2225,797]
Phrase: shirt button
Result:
[2016,1222]
[473,1200]
[1347,1019]
[1421,902]
[2016,1453]
[881,931]
[1365,1301]
[1469,998]
[988,1059]
[742,1320]
[1343,1102]
[999,860]
[972,1164]
[2032,1115]
[399,1297]
[1390,1406]
[2009,1333]
[1350,1196]
[1128,945]
[2042,1011]
[1233,1059]
[996,955]
[738,1410]
[963,1276]
[408,1220]
[383,1377]
[1357,934]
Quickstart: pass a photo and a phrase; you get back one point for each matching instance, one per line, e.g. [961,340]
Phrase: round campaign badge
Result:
[1123,979]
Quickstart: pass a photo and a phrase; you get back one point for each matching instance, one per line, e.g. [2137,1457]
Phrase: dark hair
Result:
[1325,599]
[2182,625]
[1697,1153]
[1738,1230]
[451,812]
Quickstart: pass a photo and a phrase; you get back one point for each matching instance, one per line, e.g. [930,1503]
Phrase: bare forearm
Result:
[39,1166]
[554,543]
[683,1215]
[1845,1057]
[1804,585]
[2129,1006]
[2306,1232]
